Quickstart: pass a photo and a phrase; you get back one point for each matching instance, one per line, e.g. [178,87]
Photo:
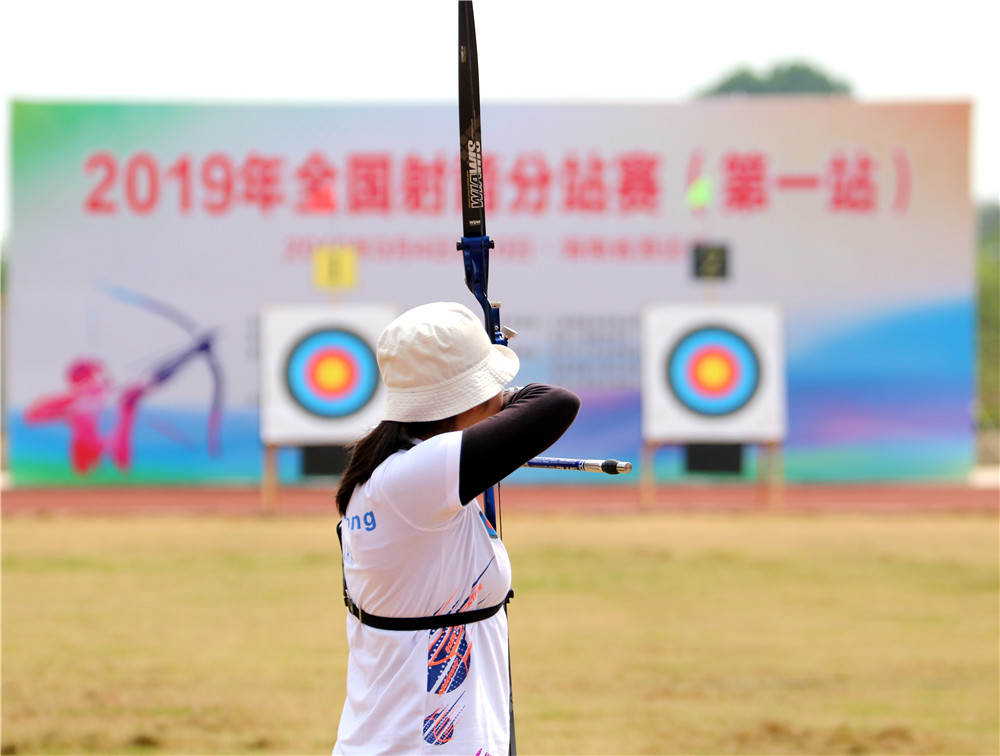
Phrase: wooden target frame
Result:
[713,373]
[319,379]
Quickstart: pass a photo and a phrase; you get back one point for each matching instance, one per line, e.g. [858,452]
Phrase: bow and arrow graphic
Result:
[90,389]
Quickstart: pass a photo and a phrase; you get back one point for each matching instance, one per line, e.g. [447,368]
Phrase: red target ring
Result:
[713,370]
[331,373]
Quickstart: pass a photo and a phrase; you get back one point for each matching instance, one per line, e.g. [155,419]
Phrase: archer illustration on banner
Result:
[90,391]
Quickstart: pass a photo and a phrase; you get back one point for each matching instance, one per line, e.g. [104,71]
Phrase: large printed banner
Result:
[147,239]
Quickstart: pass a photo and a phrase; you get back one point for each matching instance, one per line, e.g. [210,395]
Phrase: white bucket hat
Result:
[437,361]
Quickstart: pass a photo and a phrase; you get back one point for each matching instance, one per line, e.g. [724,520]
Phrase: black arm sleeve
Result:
[532,419]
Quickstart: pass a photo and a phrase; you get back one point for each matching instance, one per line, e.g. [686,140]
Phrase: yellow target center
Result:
[713,372]
[332,373]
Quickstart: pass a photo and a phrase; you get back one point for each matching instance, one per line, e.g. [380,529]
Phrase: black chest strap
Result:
[415,623]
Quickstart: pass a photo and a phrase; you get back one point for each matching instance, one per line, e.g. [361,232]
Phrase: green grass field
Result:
[633,634]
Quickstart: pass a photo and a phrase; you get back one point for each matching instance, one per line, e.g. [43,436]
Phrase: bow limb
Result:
[214,426]
[146,302]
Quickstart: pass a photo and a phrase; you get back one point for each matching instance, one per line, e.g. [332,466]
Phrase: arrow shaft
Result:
[608,466]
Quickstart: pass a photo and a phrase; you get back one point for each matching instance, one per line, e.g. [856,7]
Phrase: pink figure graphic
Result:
[81,409]
[90,390]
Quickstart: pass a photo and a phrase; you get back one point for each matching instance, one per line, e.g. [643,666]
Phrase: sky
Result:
[545,51]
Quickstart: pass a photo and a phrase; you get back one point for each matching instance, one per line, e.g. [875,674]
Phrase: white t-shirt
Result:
[412,549]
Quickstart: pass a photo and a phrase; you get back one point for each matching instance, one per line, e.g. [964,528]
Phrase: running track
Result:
[607,499]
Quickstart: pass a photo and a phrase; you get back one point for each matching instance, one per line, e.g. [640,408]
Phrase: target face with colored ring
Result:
[332,373]
[713,371]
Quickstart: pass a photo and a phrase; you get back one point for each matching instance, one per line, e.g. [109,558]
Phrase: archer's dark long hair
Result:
[384,440]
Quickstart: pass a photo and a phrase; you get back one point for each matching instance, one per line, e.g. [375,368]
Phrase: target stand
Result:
[713,374]
[319,380]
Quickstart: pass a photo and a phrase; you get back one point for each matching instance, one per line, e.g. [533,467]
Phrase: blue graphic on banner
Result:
[889,398]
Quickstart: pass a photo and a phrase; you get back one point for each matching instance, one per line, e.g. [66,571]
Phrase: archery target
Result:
[320,382]
[712,373]
[331,373]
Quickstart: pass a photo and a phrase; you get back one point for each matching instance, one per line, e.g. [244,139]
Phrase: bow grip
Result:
[476,253]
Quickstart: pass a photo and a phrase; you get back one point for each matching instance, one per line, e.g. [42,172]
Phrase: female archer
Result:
[425,575]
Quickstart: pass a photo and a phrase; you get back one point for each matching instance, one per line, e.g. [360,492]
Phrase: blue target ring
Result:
[331,373]
[713,371]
